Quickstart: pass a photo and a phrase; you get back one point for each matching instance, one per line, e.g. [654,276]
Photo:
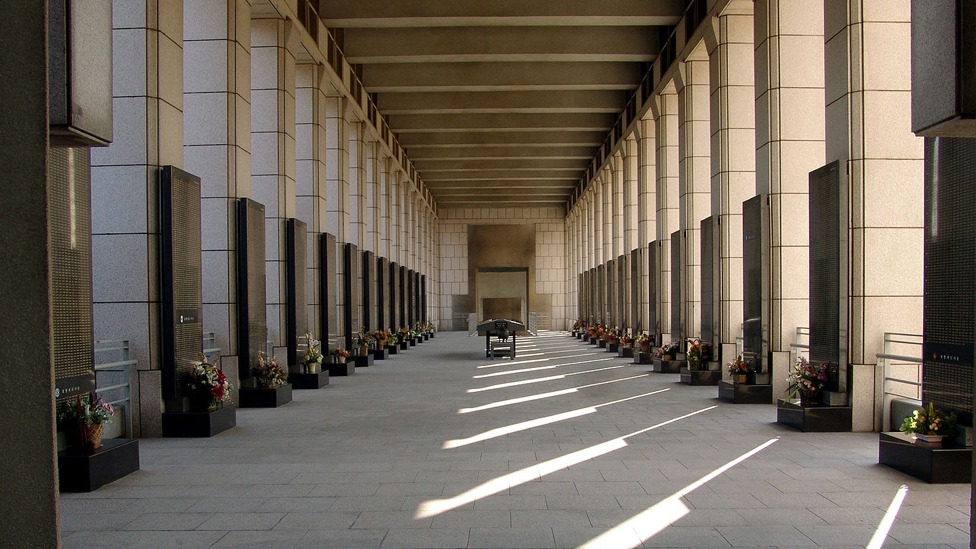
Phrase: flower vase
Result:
[336,359]
[93,436]
[810,397]
[312,367]
[740,379]
[645,347]
[363,350]
[694,364]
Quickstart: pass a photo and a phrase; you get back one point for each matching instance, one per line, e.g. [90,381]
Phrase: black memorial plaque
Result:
[950,275]
[755,269]
[69,182]
[636,275]
[328,296]
[708,279]
[395,321]
[382,293]
[403,298]
[296,304]
[350,276]
[370,316]
[677,334]
[252,325]
[180,266]
[828,273]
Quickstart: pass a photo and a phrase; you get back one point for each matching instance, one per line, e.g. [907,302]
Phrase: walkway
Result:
[565,446]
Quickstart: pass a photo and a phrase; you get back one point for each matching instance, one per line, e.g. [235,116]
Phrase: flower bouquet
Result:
[85,419]
[807,380]
[209,384]
[270,374]
[644,341]
[929,424]
[696,353]
[738,370]
[313,357]
[339,355]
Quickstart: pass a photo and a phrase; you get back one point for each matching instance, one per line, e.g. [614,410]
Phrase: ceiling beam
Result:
[504,76]
[590,101]
[469,44]
[490,122]
[489,152]
[502,139]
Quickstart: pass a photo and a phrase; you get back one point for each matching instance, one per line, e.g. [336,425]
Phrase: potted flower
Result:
[364,340]
[644,341]
[808,380]
[270,374]
[208,385]
[85,420]
[929,424]
[313,357]
[738,370]
[339,355]
[380,336]
[667,351]
[696,355]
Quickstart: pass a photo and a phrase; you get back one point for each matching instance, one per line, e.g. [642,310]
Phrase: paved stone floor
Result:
[565,446]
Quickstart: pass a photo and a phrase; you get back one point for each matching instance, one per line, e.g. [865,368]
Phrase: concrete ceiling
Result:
[501,102]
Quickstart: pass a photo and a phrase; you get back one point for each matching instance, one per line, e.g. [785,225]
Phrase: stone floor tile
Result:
[376,520]
[538,537]
[425,538]
[342,539]
[486,518]
[273,539]
[241,521]
[320,520]
[555,517]
[168,521]
[687,536]
[747,536]
[141,539]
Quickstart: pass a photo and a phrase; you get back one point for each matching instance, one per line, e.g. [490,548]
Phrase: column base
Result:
[814,419]
[84,471]
[261,397]
[308,381]
[947,464]
[741,393]
[199,424]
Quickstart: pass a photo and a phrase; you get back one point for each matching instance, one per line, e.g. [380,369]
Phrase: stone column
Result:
[733,120]
[273,46]
[395,227]
[868,128]
[665,110]
[646,212]
[310,173]
[217,147]
[789,145]
[375,165]
[30,503]
[631,170]
[357,182]
[337,189]
[694,150]
[148,112]
[617,202]
[385,221]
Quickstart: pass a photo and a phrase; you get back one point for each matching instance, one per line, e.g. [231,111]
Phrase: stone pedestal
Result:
[404,345]
[346,368]
[613,347]
[601,343]
[308,381]
[412,341]
[947,464]
[393,349]
[700,377]
[381,354]
[668,366]
[741,393]
[199,424]
[264,397]
[364,361]
[625,352]
[814,419]
[84,471]
[643,358]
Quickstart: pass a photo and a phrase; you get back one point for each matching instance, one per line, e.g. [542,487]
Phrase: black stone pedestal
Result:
[412,341]
[426,336]
[264,398]
[308,381]
[668,366]
[393,349]
[643,358]
[381,354]
[83,471]
[741,393]
[404,345]
[947,464]
[613,347]
[601,343]
[625,352]
[700,377]
[814,419]
[199,424]
[364,361]
[346,368]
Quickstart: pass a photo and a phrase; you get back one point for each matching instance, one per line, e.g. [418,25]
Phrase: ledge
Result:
[199,424]
[308,381]
[700,377]
[742,393]
[346,368]
[264,397]
[381,354]
[668,366]
[364,361]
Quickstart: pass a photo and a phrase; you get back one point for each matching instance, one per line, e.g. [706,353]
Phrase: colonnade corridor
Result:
[564,446]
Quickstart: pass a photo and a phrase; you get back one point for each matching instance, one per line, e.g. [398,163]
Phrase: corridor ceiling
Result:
[501,102]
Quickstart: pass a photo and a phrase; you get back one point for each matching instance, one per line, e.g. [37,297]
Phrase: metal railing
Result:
[533,327]
[901,372]
[113,374]
[801,344]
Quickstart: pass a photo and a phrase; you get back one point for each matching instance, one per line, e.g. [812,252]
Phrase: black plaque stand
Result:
[412,341]
[814,419]
[625,352]
[345,368]
[668,366]
[613,347]
[364,361]
[643,358]
[308,381]
[601,343]
[393,349]
[700,377]
[381,354]
[949,463]
[199,424]
[404,345]
[741,393]
[260,397]
[84,471]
